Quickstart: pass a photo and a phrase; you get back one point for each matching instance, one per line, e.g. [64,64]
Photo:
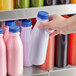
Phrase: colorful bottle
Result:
[50,2]
[26,29]
[61,50]
[63,1]
[36,3]
[6,29]
[39,40]
[3,68]
[22,3]
[6,4]
[73,1]
[15,52]
[49,62]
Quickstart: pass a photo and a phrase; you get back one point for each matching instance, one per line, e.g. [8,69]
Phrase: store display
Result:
[36,3]
[6,29]
[22,3]
[6,4]
[61,49]
[39,40]
[3,67]
[26,29]
[14,52]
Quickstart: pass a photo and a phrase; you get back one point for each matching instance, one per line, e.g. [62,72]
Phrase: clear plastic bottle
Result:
[15,52]
[39,40]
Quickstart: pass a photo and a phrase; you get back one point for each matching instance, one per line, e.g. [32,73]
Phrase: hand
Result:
[56,22]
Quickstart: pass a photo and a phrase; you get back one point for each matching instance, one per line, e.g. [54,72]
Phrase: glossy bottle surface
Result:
[50,2]
[63,1]
[3,67]
[73,1]
[6,4]
[15,54]
[49,62]
[36,3]
[22,3]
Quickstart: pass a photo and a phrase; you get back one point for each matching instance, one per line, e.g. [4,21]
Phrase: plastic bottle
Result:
[22,3]
[6,29]
[3,68]
[50,2]
[73,1]
[63,1]
[6,4]
[36,3]
[15,52]
[26,29]
[49,62]
[39,40]
[61,50]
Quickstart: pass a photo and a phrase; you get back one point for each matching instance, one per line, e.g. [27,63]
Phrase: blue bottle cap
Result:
[1,31]
[43,15]
[10,23]
[26,23]
[14,29]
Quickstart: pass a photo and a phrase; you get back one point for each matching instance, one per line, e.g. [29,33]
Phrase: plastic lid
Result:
[26,23]
[43,15]
[1,31]
[14,29]
[10,23]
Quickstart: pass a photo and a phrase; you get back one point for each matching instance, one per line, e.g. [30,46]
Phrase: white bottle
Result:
[39,40]
[26,29]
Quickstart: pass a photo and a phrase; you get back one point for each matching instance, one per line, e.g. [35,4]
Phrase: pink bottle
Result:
[15,52]
[26,29]
[3,69]
[5,27]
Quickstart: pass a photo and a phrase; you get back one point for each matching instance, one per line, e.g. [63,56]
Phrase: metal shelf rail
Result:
[32,12]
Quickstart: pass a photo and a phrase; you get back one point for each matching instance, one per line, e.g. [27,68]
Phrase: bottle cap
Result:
[10,23]
[14,29]
[1,31]
[26,23]
[43,15]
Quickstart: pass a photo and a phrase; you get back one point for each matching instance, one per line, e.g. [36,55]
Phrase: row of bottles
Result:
[14,4]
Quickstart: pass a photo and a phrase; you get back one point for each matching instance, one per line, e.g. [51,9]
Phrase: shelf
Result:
[35,71]
[32,12]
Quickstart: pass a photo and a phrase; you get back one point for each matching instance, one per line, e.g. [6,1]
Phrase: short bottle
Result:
[26,29]
[15,52]
[39,40]
[3,68]
[6,29]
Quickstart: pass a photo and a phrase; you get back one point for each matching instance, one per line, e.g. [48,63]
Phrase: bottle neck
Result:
[14,34]
[42,20]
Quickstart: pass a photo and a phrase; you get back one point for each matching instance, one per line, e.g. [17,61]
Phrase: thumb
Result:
[44,25]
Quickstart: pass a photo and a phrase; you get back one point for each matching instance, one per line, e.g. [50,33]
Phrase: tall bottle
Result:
[36,3]
[6,4]
[3,68]
[61,50]
[15,52]
[22,3]
[39,40]
[6,29]
[63,1]
[50,2]
[26,29]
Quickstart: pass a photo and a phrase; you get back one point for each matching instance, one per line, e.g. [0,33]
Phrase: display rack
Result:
[31,13]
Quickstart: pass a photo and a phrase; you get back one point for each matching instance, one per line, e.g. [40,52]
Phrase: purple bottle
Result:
[26,29]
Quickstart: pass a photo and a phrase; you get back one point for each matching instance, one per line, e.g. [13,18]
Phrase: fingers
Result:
[44,25]
[54,33]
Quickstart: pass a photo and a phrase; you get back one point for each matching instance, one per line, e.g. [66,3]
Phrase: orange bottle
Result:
[73,1]
[49,62]
[6,4]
